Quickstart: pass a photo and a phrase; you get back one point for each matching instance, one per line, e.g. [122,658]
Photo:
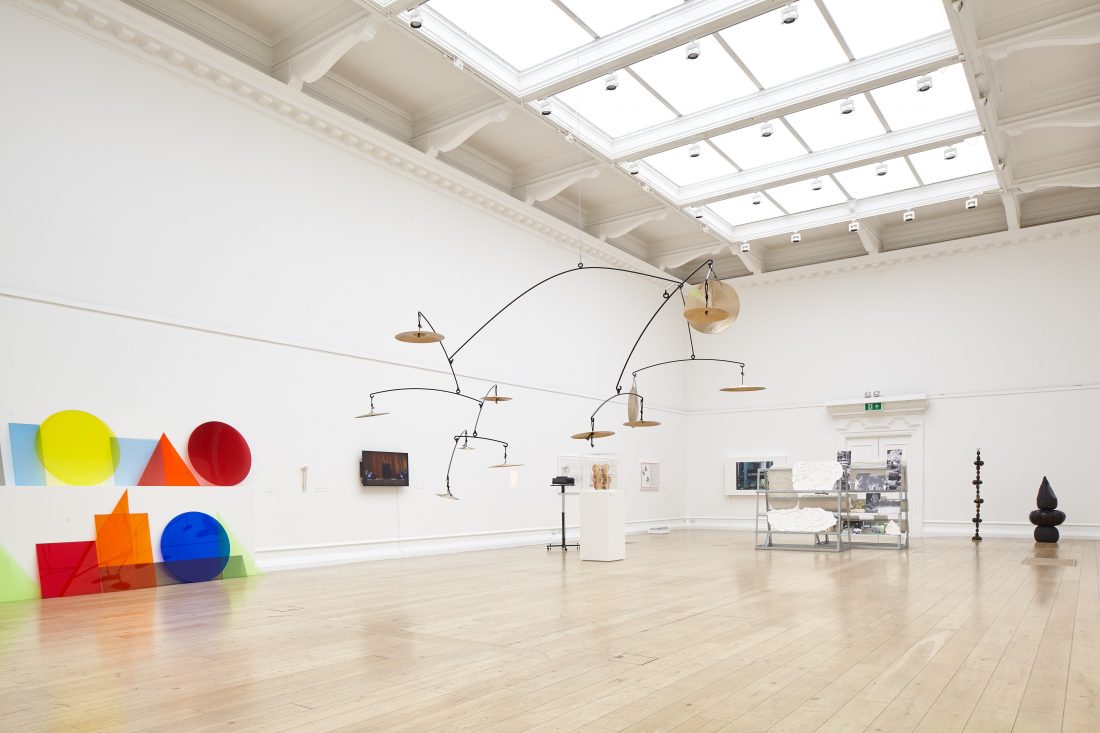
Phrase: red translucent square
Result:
[68,569]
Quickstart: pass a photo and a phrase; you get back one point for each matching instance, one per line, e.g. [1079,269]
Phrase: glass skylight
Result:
[872,26]
[748,149]
[971,156]
[903,106]
[863,182]
[627,109]
[495,23]
[607,16]
[742,210]
[824,127]
[777,53]
[683,170]
[690,86]
[800,196]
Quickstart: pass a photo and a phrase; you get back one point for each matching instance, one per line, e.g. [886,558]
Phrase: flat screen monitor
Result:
[384,469]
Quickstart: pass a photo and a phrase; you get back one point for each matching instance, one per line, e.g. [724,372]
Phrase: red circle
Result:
[219,453]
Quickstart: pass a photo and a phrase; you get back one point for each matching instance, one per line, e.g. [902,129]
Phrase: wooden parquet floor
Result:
[695,631]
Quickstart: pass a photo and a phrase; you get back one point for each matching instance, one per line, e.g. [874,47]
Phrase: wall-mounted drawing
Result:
[651,476]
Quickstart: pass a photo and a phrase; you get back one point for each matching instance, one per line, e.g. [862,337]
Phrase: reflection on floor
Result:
[694,631]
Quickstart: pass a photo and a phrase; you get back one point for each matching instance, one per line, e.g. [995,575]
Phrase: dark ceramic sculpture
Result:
[1047,517]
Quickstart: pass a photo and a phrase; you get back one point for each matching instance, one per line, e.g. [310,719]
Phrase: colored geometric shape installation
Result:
[166,468]
[133,457]
[122,538]
[77,448]
[127,577]
[219,454]
[15,583]
[238,550]
[195,547]
[26,467]
[67,569]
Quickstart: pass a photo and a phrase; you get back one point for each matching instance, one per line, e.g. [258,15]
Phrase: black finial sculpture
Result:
[978,500]
[1047,517]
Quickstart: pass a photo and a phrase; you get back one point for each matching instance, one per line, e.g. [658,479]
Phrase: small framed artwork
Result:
[742,472]
[651,476]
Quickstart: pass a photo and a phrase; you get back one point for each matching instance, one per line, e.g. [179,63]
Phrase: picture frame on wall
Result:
[650,479]
[741,472]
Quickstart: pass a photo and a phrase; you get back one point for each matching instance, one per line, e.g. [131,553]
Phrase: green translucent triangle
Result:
[248,562]
[15,584]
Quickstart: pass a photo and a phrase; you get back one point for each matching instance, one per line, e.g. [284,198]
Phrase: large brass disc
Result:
[372,413]
[743,388]
[722,296]
[641,423]
[505,465]
[705,316]
[419,337]
[593,435]
[497,398]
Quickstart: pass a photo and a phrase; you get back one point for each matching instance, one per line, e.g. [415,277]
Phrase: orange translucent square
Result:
[123,539]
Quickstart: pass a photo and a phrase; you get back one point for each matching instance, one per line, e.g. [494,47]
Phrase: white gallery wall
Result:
[999,336]
[172,256]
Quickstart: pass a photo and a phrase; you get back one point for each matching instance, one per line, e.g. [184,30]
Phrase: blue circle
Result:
[195,547]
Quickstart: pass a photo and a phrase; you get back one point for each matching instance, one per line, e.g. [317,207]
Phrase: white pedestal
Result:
[603,525]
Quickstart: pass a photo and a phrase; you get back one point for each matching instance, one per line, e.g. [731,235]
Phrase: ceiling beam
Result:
[315,60]
[547,187]
[821,87]
[870,236]
[619,226]
[861,209]
[1078,113]
[1011,202]
[1078,28]
[1082,176]
[883,147]
[753,262]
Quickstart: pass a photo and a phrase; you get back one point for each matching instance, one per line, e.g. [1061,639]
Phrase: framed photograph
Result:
[651,476]
[742,471]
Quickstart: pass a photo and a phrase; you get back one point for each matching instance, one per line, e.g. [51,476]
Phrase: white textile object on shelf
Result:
[812,519]
[816,475]
[892,528]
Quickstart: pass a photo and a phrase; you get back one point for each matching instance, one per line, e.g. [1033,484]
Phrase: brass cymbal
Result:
[448,496]
[706,315]
[505,465]
[496,398]
[715,294]
[372,413]
[592,435]
[743,388]
[419,337]
[641,423]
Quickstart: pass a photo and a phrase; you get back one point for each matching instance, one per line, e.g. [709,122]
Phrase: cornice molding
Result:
[136,34]
[1041,234]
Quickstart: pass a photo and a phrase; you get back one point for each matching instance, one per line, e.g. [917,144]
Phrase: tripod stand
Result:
[564,546]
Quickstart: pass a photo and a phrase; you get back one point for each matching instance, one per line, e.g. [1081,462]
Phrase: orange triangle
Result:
[166,468]
[123,505]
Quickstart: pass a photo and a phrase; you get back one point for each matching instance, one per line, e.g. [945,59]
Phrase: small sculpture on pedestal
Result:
[1047,517]
[978,500]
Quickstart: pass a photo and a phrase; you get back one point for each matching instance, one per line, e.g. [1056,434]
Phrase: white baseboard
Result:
[1024,530]
[309,556]
[737,524]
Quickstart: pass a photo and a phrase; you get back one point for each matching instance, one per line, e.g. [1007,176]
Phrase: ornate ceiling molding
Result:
[133,32]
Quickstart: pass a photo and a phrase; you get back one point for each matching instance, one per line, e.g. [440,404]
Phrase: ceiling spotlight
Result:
[847,106]
[767,129]
[543,106]
[796,237]
[972,202]
[692,51]
[611,82]
[924,83]
[909,215]
[697,212]
[746,247]
[757,198]
[880,169]
[815,184]
[789,14]
[415,21]
[632,167]
[949,153]
[695,150]
[853,226]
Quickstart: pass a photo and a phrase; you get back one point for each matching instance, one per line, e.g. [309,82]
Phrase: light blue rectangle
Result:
[133,457]
[26,467]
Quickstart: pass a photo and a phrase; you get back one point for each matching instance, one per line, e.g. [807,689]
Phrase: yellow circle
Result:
[77,447]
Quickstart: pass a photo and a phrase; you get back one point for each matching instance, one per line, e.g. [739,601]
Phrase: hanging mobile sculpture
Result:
[978,500]
[710,307]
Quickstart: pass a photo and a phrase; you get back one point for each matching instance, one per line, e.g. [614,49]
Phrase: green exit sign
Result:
[872,405]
